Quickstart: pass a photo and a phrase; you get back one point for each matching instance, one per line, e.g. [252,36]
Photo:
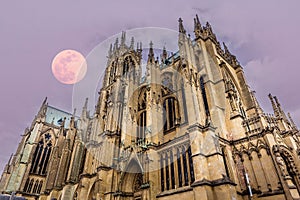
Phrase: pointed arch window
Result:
[113,71]
[191,165]
[169,115]
[40,187]
[41,156]
[45,160]
[142,116]
[26,185]
[204,96]
[30,186]
[142,125]
[185,167]
[36,184]
[162,178]
[128,63]
[36,157]
[179,168]
[167,172]
[172,170]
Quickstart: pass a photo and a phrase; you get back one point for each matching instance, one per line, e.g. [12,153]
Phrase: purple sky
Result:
[264,35]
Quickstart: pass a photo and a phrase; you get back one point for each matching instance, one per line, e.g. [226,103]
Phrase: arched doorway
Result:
[132,181]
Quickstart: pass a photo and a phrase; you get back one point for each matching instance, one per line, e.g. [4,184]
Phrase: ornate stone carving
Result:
[281,164]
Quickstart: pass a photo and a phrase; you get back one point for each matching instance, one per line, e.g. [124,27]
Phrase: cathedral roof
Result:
[56,116]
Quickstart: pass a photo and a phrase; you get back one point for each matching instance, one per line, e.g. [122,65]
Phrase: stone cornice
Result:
[199,127]
[174,191]
[246,138]
[222,181]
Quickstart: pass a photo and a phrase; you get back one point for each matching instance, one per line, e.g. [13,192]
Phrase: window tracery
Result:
[41,155]
[113,71]
[128,65]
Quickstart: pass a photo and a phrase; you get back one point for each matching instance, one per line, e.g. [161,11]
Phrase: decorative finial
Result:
[226,49]
[292,121]
[151,44]
[116,46]
[276,112]
[132,43]
[281,112]
[62,122]
[277,104]
[86,103]
[198,22]
[208,25]
[208,28]
[164,55]
[197,27]
[181,28]
[72,121]
[45,100]
[43,109]
[110,50]
[151,58]
[123,38]
[139,48]
[74,112]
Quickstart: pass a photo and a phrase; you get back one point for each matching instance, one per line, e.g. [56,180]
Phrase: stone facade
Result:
[189,129]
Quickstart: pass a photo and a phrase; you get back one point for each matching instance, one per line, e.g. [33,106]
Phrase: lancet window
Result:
[113,71]
[128,64]
[142,116]
[169,113]
[41,156]
[33,186]
[177,168]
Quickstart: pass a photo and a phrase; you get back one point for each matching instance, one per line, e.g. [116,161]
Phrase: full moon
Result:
[69,66]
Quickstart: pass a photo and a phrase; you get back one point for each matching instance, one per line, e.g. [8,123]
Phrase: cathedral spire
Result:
[281,112]
[85,113]
[164,55]
[139,46]
[110,50]
[74,112]
[278,104]
[116,45]
[257,106]
[181,28]
[86,103]
[197,27]
[227,52]
[132,43]
[151,58]
[72,121]
[292,121]
[123,39]
[208,27]
[43,108]
[209,32]
[276,111]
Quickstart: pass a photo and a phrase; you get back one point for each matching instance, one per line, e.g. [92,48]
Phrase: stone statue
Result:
[281,164]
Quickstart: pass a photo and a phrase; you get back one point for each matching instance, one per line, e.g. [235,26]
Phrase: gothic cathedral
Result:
[190,128]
